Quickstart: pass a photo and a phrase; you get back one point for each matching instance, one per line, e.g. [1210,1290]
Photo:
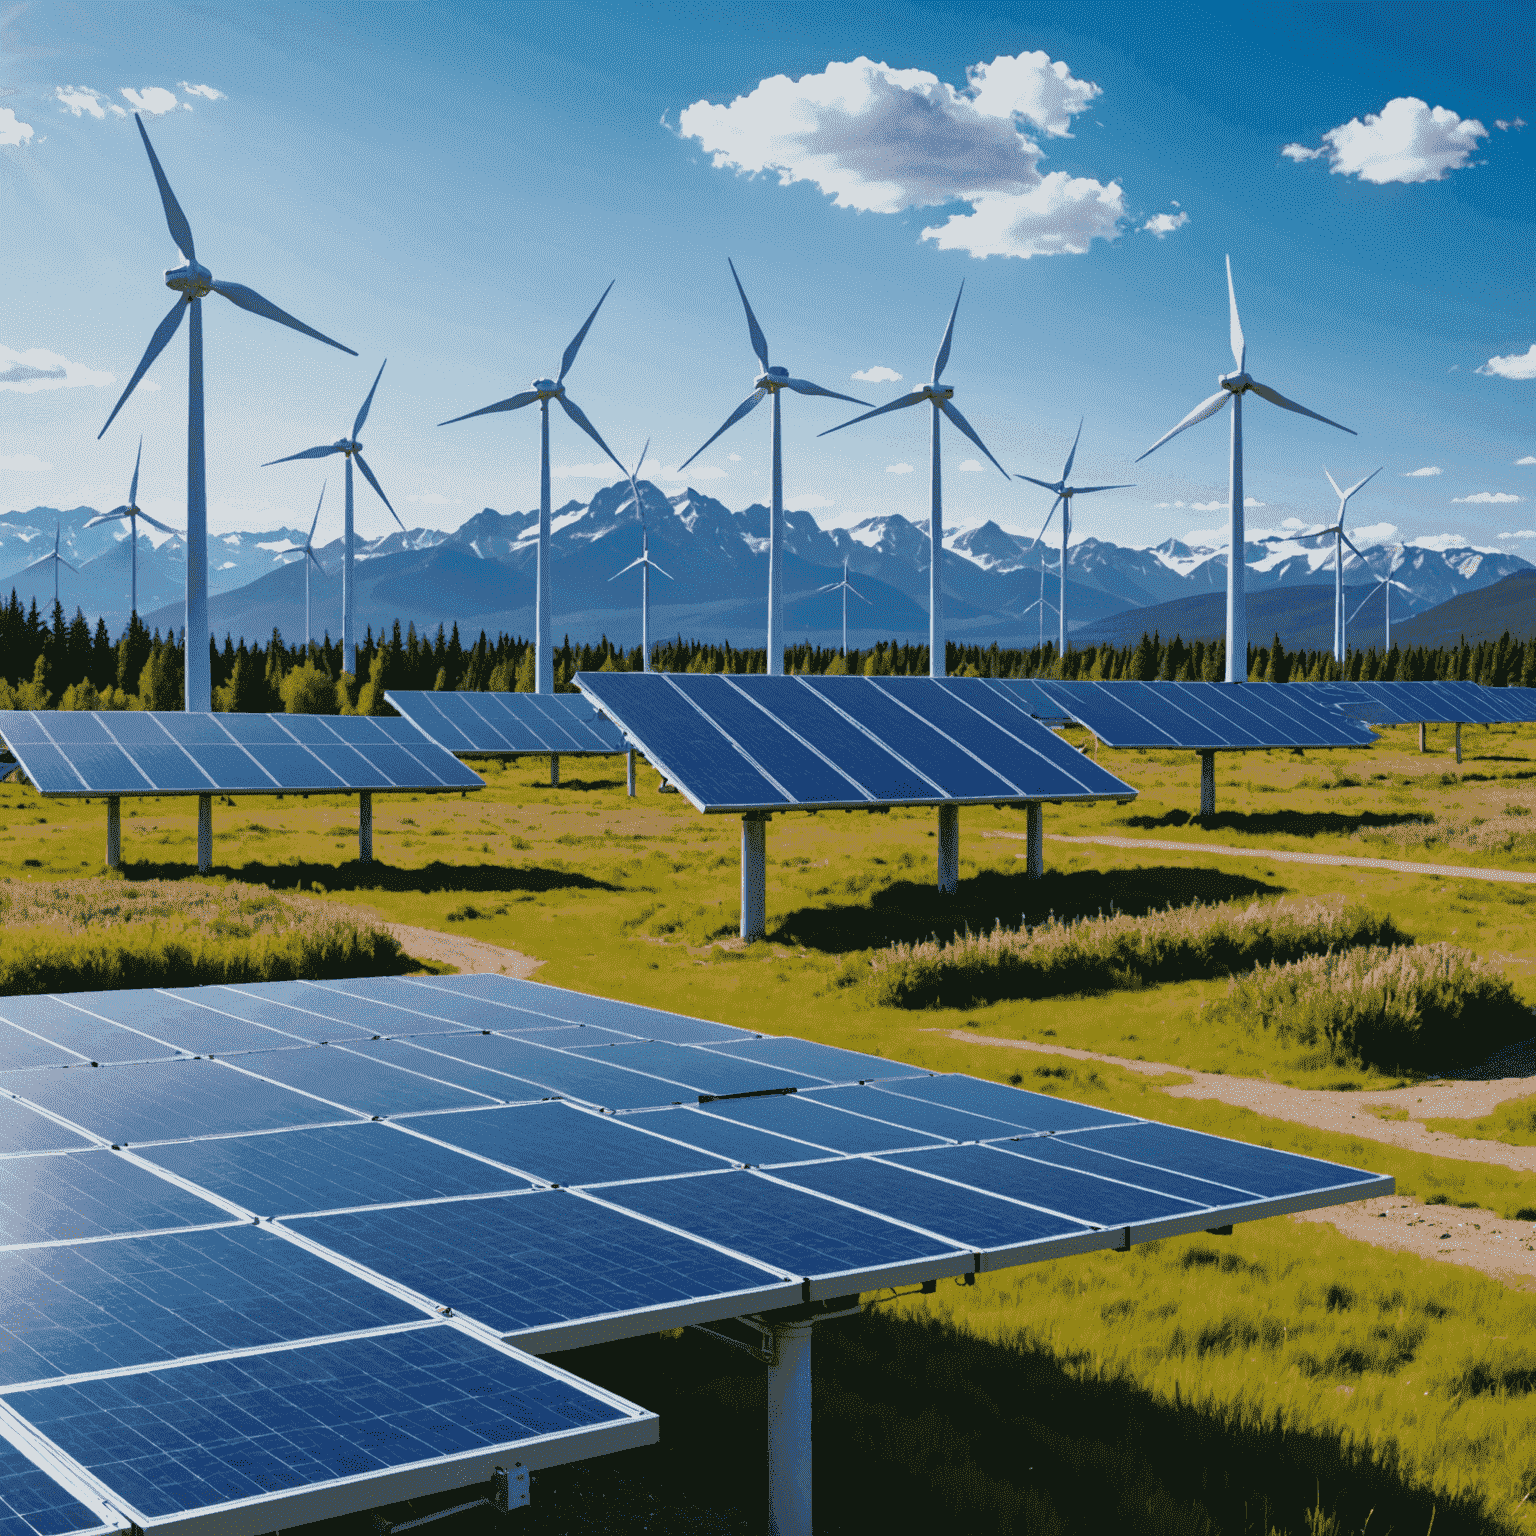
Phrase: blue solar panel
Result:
[495,724]
[1103,1164]
[821,1126]
[62,1197]
[358,1083]
[18,1048]
[1405,703]
[893,1108]
[409,1053]
[32,1504]
[180,1023]
[829,1062]
[93,1038]
[731,1139]
[22,1129]
[524,1262]
[1026,694]
[328,1168]
[1510,705]
[1028,1111]
[285,1006]
[564,1145]
[701,1071]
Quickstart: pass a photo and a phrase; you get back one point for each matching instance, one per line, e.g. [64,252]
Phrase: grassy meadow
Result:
[1283,1380]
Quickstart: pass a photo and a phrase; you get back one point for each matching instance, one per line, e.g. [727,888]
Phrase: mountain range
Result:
[481,576]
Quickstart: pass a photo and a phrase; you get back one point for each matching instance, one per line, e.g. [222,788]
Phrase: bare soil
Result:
[468,956]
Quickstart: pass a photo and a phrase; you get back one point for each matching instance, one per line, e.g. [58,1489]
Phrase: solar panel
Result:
[147,753]
[509,724]
[267,1305]
[1512,705]
[1405,703]
[758,743]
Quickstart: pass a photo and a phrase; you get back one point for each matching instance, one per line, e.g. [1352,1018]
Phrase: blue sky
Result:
[451,186]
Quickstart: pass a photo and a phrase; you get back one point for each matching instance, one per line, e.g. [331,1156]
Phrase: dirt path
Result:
[469,955]
[1399,866]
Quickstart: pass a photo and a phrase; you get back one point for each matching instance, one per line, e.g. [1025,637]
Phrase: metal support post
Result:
[754,877]
[631,772]
[204,834]
[554,770]
[1207,783]
[789,1431]
[365,827]
[1423,731]
[114,831]
[949,849]
[1458,741]
[1034,840]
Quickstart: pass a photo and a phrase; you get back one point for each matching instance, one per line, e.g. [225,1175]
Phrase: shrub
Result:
[1097,954]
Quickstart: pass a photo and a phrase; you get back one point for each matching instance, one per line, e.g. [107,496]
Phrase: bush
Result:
[308,691]
[1097,954]
[1420,1007]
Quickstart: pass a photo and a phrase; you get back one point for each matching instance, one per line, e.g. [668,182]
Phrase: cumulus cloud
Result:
[1374,533]
[970,466]
[1504,125]
[1521,533]
[877,375]
[1440,542]
[1406,141]
[884,140]
[27,372]
[1161,224]
[1530,458]
[1421,474]
[12,130]
[22,462]
[735,458]
[207,92]
[153,100]
[811,503]
[82,101]
[1204,506]
[1518,365]
[898,469]
[1486,499]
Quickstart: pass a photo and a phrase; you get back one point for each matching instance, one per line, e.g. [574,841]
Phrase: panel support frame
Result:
[114,857]
[949,850]
[1208,783]
[789,1429]
[1034,840]
[204,834]
[554,770]
[1458,741]
[629,773]
[754,877]
[365,826]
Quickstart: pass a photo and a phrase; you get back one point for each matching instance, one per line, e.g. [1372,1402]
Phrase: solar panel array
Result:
[1429,703]
[129,752]
[258,1239]
[1204,717]
[508,724]
[758,743]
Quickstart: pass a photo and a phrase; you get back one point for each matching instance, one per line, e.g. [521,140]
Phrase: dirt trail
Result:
[469,955]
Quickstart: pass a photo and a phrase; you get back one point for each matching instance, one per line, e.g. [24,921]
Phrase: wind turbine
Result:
[845,587]
[1233,387]
[55,559]
[1040,602]
[351,449]
[1340,539]
[311,559]
[941,398]
[1387,583]
[769,384]
[646,564]
[1064,494]
[545,390]
[194,282]
[132,511]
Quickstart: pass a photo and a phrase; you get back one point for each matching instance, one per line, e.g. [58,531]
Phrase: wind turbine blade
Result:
[181,231]
[574,411]
[569,356]
[1368,596]
[741,410]
[157,344]
[1067,468]
[1047,523]
[1044,485]
[1200,412]
[634,473]
[627,569]
[1334,483]
[856,592]
[362,415]
[316,522]
[248,299]
[1346,538]
[915,398]
[323,451]
[154,522]
[107,517]
[1087,490]
[133,490]
[1276,398]
[658,569]
[942,360]
[368,475]
[1239,346]
[805,387]
[1359,484]
[314,560]
[511,403]
[759,341]
[948,407]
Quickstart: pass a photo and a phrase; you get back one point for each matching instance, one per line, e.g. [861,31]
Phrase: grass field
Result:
[1145,1391]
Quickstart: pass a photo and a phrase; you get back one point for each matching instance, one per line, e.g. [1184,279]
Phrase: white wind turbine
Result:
[1233,387]
[1386,583]
[768,384]
[310,558]
[351,449]
[545,390]
[194,282]
[55,559]
[845,587]
[941,398]
[1040,603]
[646,564]
[1064,494]
[1340,539]
[132,511]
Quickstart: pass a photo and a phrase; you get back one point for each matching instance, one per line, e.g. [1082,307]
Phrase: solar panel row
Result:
[492,724]
[1407,703]
[145,753]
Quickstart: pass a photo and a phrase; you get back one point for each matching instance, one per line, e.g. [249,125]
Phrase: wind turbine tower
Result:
[1233,387]
[845,587]
[132,511]
[55,559]
[1340,539]
[646,564]
[311,559]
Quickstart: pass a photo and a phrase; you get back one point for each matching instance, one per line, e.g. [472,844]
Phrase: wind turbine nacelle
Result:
[547,388]
[771,378]
[1236,383]
[194,280]
[346,445]
[939,391]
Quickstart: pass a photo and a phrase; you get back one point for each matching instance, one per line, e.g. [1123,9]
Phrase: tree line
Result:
[60,663]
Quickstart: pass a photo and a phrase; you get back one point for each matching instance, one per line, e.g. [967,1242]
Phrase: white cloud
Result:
[877,375]
[1504,125]
[735,458]
[207,92]
[1161,224]
[1421,474]
[1530,458]
[1204,506]
[1253,501]
[1440,542]
[810,503]
[1374,533]
[970,466]
[13,131]
[82,101]
[1518,365]
[1523,533]
[1486,499]
[154,100]
[1406,142]
[898,469]
[883,140]
[432,499]
[22,462]
[597,471]
[28,372]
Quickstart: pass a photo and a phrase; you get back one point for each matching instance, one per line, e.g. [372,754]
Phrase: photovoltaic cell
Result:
[1028,1111]
[1405,703]
[822,1127]
[280,1006]
[914,1114]
[828,1062]
[730,1139]
[92,1038]
[507,724]
[409,1054]
[356,1082]
[20,1049]
[22,1129]
[179,1024]
[699,1071]
[32,1504]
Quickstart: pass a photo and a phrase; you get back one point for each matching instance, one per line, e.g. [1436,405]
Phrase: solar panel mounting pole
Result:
[949,849]
[114,831]
[630,773]
[1207,783]
[1034,840]
[204,834]
[1423,732]
[365,826]
[789,1430]
[1458,741]
[754,876]
[1237,568]
[554,770]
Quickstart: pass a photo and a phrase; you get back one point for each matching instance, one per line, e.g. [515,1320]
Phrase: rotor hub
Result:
[346,445]
[1235,383]
[772,378]
[548,389]
[194,280]
[939,391]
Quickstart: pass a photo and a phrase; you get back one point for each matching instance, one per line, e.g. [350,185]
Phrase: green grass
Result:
[1513,1122]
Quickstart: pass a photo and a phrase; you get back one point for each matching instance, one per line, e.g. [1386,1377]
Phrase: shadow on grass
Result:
[920,1428]
[1296,823]
[352,875]
[907,912]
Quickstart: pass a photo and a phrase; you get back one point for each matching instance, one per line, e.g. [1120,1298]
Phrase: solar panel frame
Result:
[1407,703]
[484,724]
